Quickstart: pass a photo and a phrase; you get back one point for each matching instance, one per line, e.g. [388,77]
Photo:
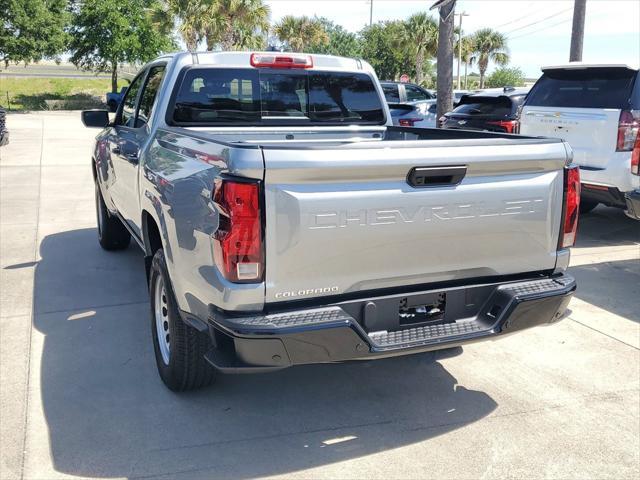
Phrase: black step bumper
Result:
[350,331]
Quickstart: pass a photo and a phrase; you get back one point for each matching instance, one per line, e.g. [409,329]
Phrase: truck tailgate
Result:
[345,219]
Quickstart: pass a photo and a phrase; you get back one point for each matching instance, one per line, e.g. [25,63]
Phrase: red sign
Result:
[404,78]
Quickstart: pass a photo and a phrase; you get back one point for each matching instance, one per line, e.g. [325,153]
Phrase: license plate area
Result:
[420,311]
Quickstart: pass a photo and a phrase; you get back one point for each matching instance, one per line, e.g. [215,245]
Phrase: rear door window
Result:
[220,96]
[391,93]
[149,94]
[493,106]
[588,88]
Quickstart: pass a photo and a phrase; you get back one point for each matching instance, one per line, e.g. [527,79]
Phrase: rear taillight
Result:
[408,122]
[510,126]
[571,206]
[281,60]
[238,249]
[628,127]
[635,157]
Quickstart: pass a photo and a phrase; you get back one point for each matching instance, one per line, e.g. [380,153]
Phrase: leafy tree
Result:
[420,41]
[382,50]
[341,42]
[299,33]
[32,30]
[506,77]
[107,33]
[235,24]
[489,45]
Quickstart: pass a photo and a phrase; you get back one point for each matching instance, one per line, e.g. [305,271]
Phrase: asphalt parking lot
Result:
[81,397]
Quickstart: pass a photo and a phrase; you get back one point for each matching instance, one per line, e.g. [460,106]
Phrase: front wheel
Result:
[112,234]
[179,348]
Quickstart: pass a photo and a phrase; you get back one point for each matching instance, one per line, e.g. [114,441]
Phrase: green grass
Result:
[41,93]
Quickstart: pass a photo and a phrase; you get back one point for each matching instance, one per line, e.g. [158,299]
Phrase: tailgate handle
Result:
[436,176]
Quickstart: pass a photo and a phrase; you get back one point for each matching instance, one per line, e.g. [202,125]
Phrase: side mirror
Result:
[95,118]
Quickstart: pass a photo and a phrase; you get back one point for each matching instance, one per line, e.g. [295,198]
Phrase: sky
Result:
[538,31]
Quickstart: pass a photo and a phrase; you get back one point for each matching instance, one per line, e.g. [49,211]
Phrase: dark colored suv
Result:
[495,110]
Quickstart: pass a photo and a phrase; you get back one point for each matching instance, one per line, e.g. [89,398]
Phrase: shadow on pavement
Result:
[108,413]
[607,227]
[612,286]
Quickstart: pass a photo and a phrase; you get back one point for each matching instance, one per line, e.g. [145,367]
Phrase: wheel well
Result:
[152,239]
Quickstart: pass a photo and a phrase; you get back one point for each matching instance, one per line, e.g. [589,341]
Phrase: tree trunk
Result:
[210,43]
[419,67]
[445,60]
[465,74]
[577,30]
[482,65]
[114,76]
[228,39]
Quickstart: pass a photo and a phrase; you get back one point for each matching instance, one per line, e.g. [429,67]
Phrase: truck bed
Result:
[341,217]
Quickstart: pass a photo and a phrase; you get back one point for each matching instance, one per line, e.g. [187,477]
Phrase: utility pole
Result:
[463,14]
[371,13]
[577,31]
[444,82]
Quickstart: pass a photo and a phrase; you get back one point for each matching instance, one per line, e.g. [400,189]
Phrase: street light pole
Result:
[371,13]
[444,82]
[463,14]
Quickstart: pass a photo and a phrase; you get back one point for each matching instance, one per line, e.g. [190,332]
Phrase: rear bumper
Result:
[609,196]
[633,204]
[360,330]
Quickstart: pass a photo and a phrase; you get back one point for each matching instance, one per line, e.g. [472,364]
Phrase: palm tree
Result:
[300,32]
[421,39]
[467,55]
[489,45]
[188,14]
[231,23]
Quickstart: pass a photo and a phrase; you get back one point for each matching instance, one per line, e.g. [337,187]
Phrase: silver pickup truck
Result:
[285,221]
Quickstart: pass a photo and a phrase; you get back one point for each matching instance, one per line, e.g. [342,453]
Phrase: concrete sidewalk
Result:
[80,396]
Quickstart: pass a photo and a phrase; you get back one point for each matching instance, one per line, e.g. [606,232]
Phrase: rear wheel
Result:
[112,235]
[587,205]
[179,348]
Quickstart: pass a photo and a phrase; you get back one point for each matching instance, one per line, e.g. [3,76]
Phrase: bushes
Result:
[506,77]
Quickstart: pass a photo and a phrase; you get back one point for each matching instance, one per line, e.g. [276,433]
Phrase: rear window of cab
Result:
[267,96]
[585,88]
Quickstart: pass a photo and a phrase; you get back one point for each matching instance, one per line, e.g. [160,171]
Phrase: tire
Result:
[113,105]
[112,235]
[587,205]
[180,348]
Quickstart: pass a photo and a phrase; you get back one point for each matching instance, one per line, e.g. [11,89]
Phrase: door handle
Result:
[436,176]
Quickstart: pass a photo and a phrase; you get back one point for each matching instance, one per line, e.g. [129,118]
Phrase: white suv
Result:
[596,108]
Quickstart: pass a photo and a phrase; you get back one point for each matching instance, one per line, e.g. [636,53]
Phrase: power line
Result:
[539,21]
[528,14]
[541,29]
